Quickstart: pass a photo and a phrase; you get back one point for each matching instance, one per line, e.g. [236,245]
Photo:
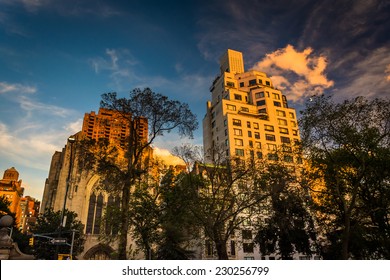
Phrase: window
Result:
[241,84]
[252,82]
[277,104]
[248,247]
[293,124]
[95,210]
[286,148]
[250,143]
[270,137]
[288,158]
[232,248]
[259,155]
[282,122]
[231,107]
[268,127]
[246,234]
[259,95]
[267,83]
[291,115]
[280,113]
[295,132]
[257,135]
[260,102]
[283,130]
[237,97]
[249,133]
[276,96]
[238,142]
[213,124]
[209,248]
[229,84]
[271,147]
[272,156]
[236,122]
[225,122]
[237,131]
[285,140]
[226,133]
[248,124]
[239,152]
[244,109]
[255,125]
[260,82]
[226,142]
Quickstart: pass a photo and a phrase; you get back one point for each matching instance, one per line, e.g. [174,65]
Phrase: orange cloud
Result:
[166,157]
[309,69]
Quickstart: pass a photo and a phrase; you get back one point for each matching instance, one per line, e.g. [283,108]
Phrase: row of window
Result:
[254,82]
[269,137]
[262,102]
[270,156]
[279,113]
[267,127]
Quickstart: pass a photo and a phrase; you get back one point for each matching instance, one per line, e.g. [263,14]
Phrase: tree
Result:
[123,166]
[178,228]
[47,226]
[347,147]
[17,235]
[225,193]
[288,227]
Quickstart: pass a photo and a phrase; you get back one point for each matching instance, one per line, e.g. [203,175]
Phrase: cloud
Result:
[30,137]
[298,73]
[387,71]
[19,88]
[67,8]
[369,76]
[166,156]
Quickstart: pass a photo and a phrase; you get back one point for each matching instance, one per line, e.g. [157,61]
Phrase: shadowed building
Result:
[84,196]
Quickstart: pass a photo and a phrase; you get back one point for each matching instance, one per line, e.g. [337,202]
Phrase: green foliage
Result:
[123,168]
[347,145]
[48,225]
[289,226]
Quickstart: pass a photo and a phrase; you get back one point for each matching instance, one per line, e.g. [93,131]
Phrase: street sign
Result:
[58,241]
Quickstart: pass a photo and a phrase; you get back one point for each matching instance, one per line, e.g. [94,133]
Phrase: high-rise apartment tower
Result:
[247,116]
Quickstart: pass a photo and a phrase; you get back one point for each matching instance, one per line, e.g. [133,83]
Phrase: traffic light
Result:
[31,241]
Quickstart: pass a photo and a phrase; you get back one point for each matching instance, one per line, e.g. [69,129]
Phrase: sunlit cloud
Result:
[18,88]
[387,72]
[165,156]
[298,73]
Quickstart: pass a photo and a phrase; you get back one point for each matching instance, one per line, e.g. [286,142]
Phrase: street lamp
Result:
[71,141]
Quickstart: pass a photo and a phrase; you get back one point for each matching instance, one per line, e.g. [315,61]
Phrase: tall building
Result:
[111,125]
[11,189]
[30,210]
[247,116]
[84,196]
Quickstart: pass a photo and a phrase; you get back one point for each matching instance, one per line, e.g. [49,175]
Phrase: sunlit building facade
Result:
[11,188]
[83,195]
[248,118]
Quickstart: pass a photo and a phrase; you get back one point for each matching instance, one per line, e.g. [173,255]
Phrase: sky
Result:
[58,57]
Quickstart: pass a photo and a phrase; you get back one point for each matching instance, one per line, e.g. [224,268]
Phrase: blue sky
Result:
[58,57]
